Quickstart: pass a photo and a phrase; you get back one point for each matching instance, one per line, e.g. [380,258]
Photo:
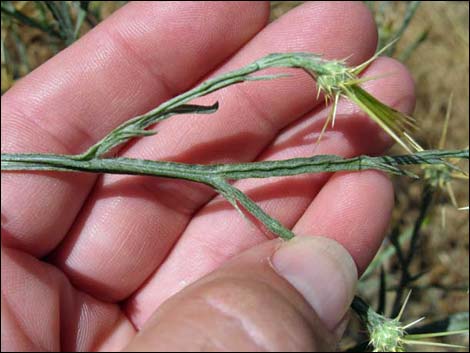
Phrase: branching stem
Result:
[217,175]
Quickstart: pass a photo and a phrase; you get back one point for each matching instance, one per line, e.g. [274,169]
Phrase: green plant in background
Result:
[387,332]
[61,20]
[56,23]
[390,28]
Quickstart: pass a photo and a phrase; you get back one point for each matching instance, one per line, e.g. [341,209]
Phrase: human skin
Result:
[88,261]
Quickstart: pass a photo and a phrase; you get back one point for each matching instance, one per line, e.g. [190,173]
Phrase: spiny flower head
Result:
[385,334]
[335,79]
[332,77]
[441,177]
[389,334]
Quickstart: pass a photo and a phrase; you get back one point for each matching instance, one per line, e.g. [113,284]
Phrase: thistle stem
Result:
[205,173]
[216,175]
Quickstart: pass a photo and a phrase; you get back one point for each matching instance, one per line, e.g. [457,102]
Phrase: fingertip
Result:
[355,19]
[353,209]
[368,214]
[347,23]
[333,29]
[322,271]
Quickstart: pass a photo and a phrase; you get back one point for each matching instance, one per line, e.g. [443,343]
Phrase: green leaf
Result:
[136,128]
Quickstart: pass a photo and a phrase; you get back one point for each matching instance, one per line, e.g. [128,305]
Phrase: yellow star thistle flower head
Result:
[389,335]
[335,79]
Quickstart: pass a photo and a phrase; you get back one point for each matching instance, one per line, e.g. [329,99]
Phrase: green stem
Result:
[61,12]
[234,195]
[406,278]
[216,175]
[332,77]
[310,63]
[203,173]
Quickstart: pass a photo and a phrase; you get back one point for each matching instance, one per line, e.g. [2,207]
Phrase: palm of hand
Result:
[86,259]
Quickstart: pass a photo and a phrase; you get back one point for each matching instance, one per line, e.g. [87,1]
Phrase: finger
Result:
[355,210]
[285,199]
[41,311]
[132,223]
[253,304]
[142,55]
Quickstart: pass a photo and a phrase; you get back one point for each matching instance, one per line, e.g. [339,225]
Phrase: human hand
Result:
[87,260]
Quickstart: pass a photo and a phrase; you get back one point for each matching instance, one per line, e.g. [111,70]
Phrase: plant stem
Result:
[60,10]
[216,175]
[333,77]
[406,278]
[204,173]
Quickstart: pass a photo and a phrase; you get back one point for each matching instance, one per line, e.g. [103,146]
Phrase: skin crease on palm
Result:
[87,259]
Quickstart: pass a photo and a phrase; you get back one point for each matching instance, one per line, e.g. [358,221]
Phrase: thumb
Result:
[278,296]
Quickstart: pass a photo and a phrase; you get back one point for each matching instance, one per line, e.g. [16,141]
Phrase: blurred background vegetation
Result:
[434,45]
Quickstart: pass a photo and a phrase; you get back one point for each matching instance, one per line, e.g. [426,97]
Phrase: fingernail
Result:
[322,271]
